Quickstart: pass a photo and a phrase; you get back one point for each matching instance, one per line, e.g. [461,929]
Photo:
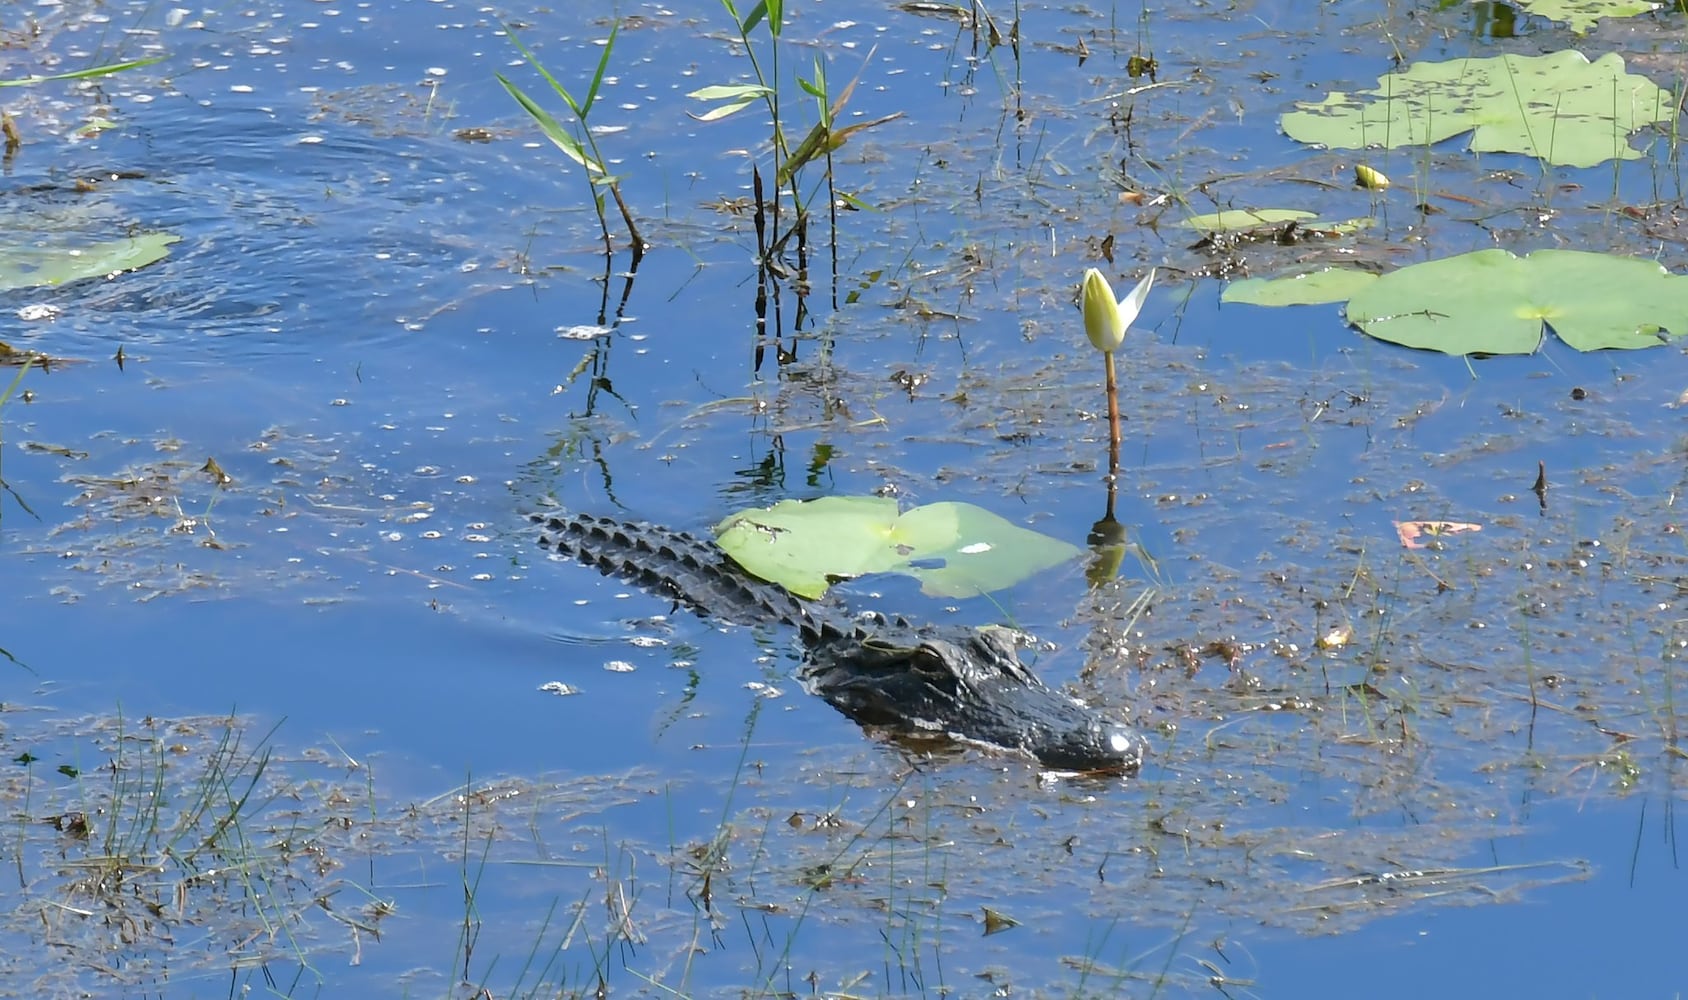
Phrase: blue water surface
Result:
[390,323]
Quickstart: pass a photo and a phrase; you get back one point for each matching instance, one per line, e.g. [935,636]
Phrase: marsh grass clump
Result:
[781,227]
[162,850]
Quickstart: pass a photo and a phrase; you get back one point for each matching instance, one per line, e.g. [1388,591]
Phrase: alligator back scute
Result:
[685,568]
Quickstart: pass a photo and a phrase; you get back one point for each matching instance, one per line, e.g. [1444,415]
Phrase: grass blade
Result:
[731,92]
[82,74]
[30,359]
[533,61]
[598,77]
[757,13]
[552,128]
[716,114]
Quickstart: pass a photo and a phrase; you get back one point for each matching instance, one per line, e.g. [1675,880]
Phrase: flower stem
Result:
[1113,415]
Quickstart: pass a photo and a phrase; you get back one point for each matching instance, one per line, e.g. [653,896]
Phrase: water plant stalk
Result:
[1113,414]
[582,149]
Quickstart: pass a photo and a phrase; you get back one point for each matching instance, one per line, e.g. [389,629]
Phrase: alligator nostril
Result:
[1120,741]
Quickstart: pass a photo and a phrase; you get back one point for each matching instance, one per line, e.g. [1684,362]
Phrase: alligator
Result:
[917,683]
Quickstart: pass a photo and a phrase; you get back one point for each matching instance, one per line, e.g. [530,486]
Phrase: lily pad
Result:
[1582,14]
[32,267]
[1326,285]
[954,549]
[1558,107]
[1241,219]
[1494,302]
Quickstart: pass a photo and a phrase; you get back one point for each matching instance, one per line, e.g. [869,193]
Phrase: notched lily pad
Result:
[1494,302]
[1557,107]
[954,549]
[33,267]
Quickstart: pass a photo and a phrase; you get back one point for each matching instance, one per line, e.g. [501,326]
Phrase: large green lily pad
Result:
[1558,107]
[31,267]
[1494,302]
[954,549]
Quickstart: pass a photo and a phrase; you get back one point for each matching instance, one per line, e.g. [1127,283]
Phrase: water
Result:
[363,326]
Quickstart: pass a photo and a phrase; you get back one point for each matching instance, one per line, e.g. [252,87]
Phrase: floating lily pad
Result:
[1582,14]
[1269,222]
[954,549]
[32,267]
[1558,107]
[1241,219]
[1493,302]
[1326,285]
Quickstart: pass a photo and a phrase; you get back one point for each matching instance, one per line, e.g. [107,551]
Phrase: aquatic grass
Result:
[5,396]
[582,148]
[543,972]
[712,871]
[1659,696]
[29,358]
[903,940]
[773,232]
[469,928]
[736,97]
[888,847]
[823,875]
[156,847]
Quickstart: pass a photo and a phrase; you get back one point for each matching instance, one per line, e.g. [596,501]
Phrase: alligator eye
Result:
[928,662]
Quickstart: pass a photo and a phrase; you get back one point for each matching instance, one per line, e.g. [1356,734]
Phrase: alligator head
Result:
[963,684]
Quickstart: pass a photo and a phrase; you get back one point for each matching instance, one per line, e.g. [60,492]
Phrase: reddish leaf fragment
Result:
[1412,533]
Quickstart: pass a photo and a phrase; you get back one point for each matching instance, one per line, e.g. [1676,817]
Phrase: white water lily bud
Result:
[1370,178]
[1106,321]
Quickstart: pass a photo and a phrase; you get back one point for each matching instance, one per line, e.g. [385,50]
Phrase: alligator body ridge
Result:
[918,682]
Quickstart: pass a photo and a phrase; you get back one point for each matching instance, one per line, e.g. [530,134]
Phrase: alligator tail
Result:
[689,570]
